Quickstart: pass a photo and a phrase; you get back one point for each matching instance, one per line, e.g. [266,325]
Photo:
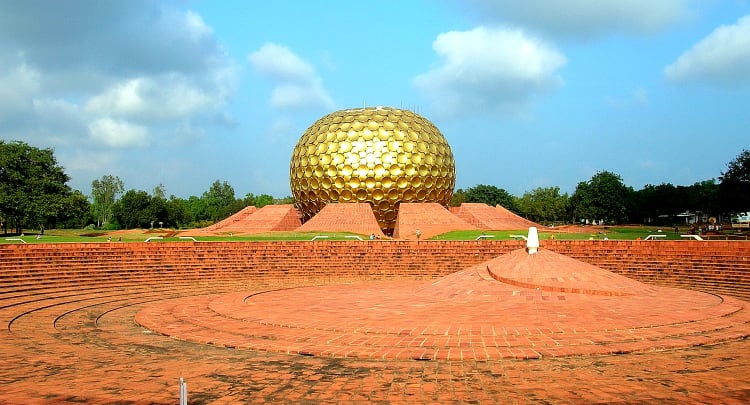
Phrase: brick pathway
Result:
[117,361]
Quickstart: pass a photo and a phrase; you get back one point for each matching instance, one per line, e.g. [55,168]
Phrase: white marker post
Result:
[532,241]
[183,392]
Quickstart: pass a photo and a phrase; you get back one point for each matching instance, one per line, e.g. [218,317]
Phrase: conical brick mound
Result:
[550,271]
[484,216]
[344,217]
[429,218]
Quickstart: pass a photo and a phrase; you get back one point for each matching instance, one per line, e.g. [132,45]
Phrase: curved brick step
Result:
[224,320]
[55,309]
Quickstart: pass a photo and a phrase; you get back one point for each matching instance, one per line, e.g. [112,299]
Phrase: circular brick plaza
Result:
[546,306]
[121,323]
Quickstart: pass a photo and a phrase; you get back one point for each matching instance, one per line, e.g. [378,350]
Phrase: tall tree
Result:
[490,195]
[734,186]
[543,204]
[219,200]
[160,192]
[177,212]
[33,187]
[258,201]
[604,197]
[104,192]
[132,210]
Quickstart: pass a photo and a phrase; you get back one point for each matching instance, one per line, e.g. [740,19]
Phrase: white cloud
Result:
[118,134]
[296,82]
[722,58]
[280,63]
[170,96]
[584,18]
[487,70]
[147,66]
[18,85]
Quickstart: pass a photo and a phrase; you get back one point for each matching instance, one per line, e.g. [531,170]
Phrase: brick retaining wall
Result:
[721,267]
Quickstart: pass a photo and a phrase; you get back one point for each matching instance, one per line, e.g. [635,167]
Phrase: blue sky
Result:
[529,94]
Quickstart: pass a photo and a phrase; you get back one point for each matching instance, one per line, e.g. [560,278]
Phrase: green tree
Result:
[258,201]
[734,186]
[104,193]
[490,195]
[604,197]
[160,192]
[132,210]
[657,204]
[177,212]
[458,198]
[543,204]
[196,210]
[703,196]
[74,214]
[284,200]
[219,201]
[33,187]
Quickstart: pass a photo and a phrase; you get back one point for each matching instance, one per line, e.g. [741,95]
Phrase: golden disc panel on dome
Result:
[381,155]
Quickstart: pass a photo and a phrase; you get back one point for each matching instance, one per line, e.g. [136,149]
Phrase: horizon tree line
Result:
[34,194]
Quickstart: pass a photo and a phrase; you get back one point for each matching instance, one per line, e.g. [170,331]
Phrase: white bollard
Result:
[183,392]
[532,242]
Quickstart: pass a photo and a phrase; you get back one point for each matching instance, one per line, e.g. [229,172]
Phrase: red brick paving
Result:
[573,308]
[66,342]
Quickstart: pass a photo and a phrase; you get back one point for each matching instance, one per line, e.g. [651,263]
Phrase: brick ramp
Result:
[271,218]
[467,315]
[344,217]
[484,216]
[431,219]
[233,220]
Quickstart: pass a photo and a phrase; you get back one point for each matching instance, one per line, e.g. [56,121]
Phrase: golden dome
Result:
[379,155]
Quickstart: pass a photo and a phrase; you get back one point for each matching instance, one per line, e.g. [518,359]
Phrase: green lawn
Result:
[595,233]
[82,236]
[79,235]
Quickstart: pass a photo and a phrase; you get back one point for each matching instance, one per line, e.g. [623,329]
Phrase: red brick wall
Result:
[721,267]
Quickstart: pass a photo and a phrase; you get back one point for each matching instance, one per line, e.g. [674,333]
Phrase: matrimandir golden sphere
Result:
[380,155]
